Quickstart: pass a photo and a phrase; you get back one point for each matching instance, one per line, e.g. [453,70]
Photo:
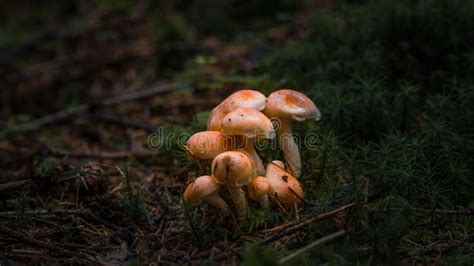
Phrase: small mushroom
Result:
[240,99]
[234,169]
[249,124]
[258,190]
[205,188]
[283,186]
[286,106]
[206,145]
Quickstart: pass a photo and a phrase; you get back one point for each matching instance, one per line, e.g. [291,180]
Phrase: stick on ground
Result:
[312,245]
[293,227]
[132,96]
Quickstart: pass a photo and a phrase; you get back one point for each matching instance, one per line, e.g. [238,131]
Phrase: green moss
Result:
[395,92]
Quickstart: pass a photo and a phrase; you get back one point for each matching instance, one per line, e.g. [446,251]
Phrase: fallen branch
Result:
[288,229]
[312,245]
[132,96]
[50,119]
[120,121]
[136,95]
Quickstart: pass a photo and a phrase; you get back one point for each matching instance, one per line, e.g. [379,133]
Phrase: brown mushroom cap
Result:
[202,187]
[207,144]
[247,122]
[259,187]
[290,104]
[281,185]
[233,168]
[240,99]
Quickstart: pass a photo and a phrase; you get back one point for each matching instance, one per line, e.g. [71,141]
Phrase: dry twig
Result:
[288,229]
[312,245]
[132,96]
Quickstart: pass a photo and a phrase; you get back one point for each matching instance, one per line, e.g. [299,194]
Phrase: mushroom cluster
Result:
[228,146]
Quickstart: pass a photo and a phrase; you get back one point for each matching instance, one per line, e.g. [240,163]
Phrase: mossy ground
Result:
[393,80]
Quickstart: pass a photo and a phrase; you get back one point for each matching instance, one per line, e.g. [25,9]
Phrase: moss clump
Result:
[394,83]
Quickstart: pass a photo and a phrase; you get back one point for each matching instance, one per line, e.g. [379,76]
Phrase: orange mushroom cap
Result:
[240,99]
[247,122]
[259,187]
[290,104]
[207,144]
[233,168]
[202,187]
[283,185]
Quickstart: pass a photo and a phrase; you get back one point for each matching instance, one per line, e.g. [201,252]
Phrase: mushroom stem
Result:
[289,147]
[205,188]
[234,169]
[264,202]
[215,200]
[250,149]
[238,197]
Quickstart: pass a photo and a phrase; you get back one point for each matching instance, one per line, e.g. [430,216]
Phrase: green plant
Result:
[193,222]
[23,216]
[134,206]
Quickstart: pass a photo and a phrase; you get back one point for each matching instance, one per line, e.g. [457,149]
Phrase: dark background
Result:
[393,79]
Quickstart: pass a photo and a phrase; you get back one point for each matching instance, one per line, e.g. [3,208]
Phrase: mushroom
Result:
[234,169]
[286,106]
[258,190]
[206,145]
[248,124]
[283,186]
[205,188]
[240,99]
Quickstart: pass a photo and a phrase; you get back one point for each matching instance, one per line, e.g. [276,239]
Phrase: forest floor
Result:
[85,98]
